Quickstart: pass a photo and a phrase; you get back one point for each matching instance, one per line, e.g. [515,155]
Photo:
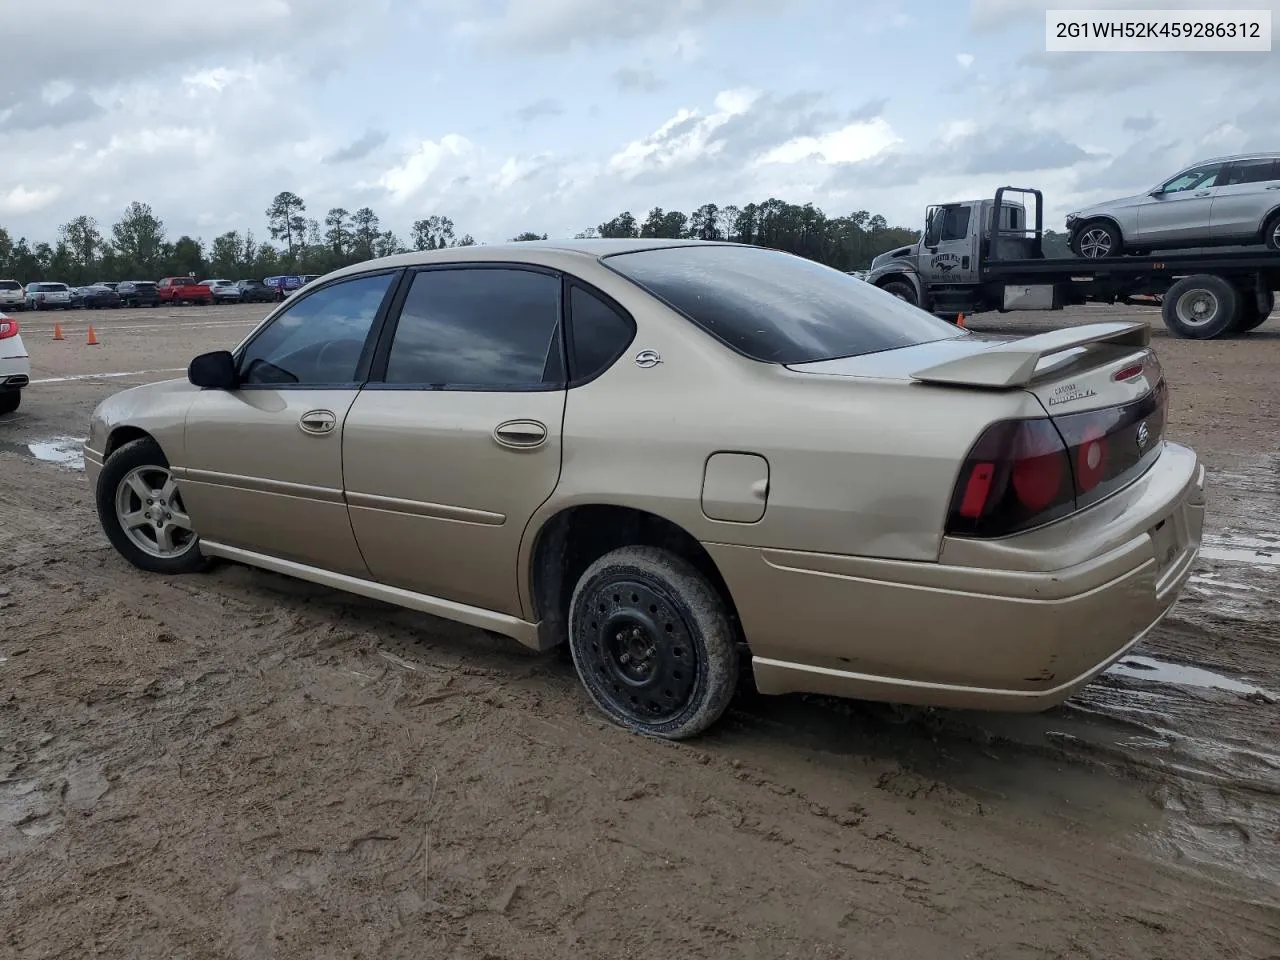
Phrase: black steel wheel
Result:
[653,643]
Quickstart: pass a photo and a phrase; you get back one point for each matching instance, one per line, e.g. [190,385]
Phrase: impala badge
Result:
[648,358]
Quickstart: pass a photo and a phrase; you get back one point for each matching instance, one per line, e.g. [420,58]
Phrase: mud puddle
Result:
[61,451]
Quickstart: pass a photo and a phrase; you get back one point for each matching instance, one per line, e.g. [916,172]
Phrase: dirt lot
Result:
[239,765]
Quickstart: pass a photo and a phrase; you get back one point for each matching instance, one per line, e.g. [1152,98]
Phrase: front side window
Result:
[778,308]
[955,225]
[1200,178]
[319,339]
[486,328]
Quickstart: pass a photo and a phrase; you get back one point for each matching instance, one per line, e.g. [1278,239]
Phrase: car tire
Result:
[653,643]
[10,400]
[1251,317]
[1271,232]
[135,468]
[1201,307]
[1097,240]
[902,290]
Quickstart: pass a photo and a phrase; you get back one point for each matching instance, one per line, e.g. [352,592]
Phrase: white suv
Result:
[12,296]
[48,296]
[15,366]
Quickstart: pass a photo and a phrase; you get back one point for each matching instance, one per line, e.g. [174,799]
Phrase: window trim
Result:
[371,338]
[382,351]
[566,300]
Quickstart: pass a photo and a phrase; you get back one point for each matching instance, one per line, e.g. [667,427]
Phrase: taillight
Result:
[8,328]
[1016,476]
[1024,473]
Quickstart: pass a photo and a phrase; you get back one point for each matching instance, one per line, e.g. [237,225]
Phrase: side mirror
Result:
[214,371]
[1157,192]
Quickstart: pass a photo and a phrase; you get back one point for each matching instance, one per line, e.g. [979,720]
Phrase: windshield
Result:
[775,307]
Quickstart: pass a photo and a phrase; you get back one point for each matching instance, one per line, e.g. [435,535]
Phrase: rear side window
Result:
[775,307]
[1251,171]
[600,334]
[486,328]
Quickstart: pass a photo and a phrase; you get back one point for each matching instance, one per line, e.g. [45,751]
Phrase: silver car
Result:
[1227,201]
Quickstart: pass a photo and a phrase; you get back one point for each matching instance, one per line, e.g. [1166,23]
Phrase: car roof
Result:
[1236,156]
[517,251]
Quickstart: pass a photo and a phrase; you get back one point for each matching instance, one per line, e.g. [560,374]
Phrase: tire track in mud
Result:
[250,759]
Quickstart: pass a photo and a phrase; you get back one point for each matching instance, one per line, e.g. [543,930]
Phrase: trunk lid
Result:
[1100,385]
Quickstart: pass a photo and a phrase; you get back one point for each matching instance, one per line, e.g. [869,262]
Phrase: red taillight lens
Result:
[1024,473]
[1016,476]
[8,328]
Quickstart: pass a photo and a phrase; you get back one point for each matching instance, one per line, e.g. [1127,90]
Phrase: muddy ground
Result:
[240,765]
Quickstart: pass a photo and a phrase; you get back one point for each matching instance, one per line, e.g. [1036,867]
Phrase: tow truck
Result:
[969,261]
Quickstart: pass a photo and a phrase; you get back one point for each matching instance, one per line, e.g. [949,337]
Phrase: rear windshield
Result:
[47,287]
[144,285]
[10,285]
[775,307]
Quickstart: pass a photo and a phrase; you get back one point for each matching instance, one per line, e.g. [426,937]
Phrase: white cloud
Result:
[965,60]
[22,199]
[857,141]
[430,163]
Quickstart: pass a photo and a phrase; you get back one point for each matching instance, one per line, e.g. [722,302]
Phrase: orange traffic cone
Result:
[57,332]
[960,320]
[93,337]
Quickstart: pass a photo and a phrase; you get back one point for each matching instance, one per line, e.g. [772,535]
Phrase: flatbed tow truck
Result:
[964,265]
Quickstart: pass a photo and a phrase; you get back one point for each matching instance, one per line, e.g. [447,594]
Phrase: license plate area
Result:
[1168,538]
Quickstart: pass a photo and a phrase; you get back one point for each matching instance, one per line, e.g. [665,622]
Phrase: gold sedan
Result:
[684,459]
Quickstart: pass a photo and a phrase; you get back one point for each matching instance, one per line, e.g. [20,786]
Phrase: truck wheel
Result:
[1250,316]
[1201,307]
[902,290]
[653,643]
[1097,240]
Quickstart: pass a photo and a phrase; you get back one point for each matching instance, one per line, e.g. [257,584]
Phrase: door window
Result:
[1200,178]
[1251,171]
[955,225]
[318,340]
[491,328]
[600,334]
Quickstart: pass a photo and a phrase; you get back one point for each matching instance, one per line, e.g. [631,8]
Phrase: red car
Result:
[176,290]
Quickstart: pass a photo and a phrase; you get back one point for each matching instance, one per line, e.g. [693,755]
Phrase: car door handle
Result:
[1202,193]
[521,434]
[317,422]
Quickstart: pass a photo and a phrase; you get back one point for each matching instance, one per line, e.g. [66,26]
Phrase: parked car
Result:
[111,284]
[179,290]
[97,297]
[283,286]
[48,296]
[12,295]
[255,291]
[672,454]
[1227,201]
[15,366]
[138,293]
[224,291]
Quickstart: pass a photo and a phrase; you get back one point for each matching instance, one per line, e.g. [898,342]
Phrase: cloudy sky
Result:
[553,115]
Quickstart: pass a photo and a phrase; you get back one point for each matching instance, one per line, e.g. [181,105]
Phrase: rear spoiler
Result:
[1013,364]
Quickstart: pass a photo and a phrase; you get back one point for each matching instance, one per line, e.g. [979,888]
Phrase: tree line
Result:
[137,246]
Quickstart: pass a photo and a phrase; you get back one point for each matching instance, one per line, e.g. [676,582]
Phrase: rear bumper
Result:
[1022,635]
